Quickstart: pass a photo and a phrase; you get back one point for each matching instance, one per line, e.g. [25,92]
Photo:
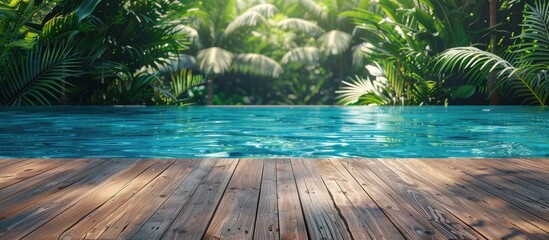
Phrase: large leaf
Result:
[251,17]
[303,55]
[265,9]
[247,19]
[39,77]
[86,8]
[335,42]
[214,60]
[353,91]
[478,64]
[7,11]
[257,64]
[313,7]
[535,34]
[301,25]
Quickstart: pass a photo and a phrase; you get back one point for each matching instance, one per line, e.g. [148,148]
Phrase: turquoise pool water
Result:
[313,132]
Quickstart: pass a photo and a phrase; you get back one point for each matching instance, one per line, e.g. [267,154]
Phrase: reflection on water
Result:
[274,132]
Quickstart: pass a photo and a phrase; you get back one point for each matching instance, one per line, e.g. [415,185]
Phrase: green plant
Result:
[401,37]
[215,26]
[521,71]
[37,59]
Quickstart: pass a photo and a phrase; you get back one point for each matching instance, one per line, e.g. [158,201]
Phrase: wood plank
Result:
[38,193]
[20,171]
[46,176]
[134,215]
[372,222]
[126,220]
[266,224]
[108,183]
[161,220]
[193,220]
[517,164]
[514,192]
[533,163]
[235,216]
[456,171]
[291,220]
[466,202]
[321,215]
[533,182]
[97,203]
[411,223]
[4,162]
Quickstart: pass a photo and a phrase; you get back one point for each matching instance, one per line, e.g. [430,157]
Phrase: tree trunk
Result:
[492,91]
[210,91]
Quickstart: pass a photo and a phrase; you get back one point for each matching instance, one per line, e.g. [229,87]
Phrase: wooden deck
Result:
[274,198]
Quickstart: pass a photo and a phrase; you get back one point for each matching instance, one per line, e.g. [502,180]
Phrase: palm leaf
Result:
[39,77]
[86,8]
[360,51]
[335,42]
[257,64]
[214,60]
[7,11]
[191,34]
[303,55]
[301,25]
[265,9]
[251,17]
[535,35]
[478,64]
[313,7]
[359,88]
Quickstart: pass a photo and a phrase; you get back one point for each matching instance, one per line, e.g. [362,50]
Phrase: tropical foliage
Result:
[522,70]
[86,52]
[363,52]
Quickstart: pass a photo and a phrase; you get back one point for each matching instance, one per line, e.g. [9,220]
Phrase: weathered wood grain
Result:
[235,216]
[492,223]
[4,162]
[411,223]
[291,220]
[266,224]
[45,176]
[321,215]
[164,216]
[274,199]
[57,225]
[193,220]
[126,220]
[364,217]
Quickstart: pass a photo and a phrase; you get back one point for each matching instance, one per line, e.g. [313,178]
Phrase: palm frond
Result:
[257,64]
[249,18]
[86,8]
[266,9]
[301,25]
[214,60]
[477,64]
[359,87]
[39,77]
[335,42]
[313,7]
[474,62]
[177,86]
[535,34]
[360,51]
[303,55]
[7,11]
[59,26]
[191,34]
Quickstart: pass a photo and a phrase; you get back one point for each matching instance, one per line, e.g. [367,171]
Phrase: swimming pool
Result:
[312,132]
